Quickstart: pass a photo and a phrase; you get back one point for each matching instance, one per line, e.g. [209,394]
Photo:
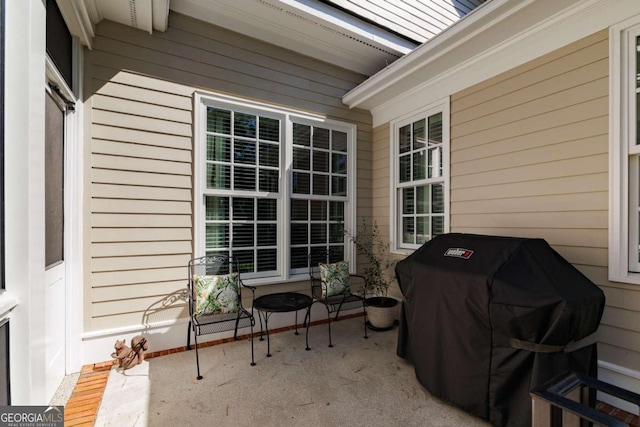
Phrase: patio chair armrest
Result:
[253,291]
[251,287]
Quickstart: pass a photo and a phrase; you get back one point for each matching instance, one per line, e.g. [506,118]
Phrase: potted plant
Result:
[381,309]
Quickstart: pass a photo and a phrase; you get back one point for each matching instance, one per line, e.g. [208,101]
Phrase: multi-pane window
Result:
[274,187]
[243,164]
[319,187]
[421,151]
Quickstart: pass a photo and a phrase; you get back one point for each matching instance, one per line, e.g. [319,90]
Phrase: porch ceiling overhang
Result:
[494,38]
[308,27]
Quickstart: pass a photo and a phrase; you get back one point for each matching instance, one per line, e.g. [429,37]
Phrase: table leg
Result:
[260,318]
[307,334]
[296,332]
[266,326]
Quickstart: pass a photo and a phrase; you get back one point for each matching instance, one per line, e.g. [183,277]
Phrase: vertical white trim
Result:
[285,202]
[393,199]
[24,196]
[74,170]
[446,142]
[620,131]
[198,174]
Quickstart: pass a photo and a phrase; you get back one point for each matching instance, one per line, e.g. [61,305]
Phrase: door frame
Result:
[73,215]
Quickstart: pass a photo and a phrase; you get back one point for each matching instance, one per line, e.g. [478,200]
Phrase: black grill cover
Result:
[486,319]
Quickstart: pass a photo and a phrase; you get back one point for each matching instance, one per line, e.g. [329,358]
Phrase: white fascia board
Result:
[427,52]
[279,24]
[548,35]
[476,53]
[339,19]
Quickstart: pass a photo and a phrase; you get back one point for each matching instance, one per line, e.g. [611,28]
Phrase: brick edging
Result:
[82,407]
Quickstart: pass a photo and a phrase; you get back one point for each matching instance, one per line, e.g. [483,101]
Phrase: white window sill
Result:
[629,278]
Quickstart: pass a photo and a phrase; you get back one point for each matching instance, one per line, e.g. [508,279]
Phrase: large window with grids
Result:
[420,177]
[275,186]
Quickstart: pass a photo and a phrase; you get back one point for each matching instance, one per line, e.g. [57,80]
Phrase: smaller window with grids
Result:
[420,178]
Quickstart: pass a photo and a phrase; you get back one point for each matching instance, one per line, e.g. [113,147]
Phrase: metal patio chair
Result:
[321,291]
[215,300]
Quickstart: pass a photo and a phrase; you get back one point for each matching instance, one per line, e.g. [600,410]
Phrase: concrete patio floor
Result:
[357,382]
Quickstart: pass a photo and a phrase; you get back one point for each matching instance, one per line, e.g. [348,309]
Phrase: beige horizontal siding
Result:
[595,182]
[122,206]
[111,176]
[138,262]
[111,133]
[139,234]
[123,88]
[140,91]
[140,151]
[381,169]
[114,278]
[140,248]
[548,66]
[133,221]
[529,149]
[530,158]
[140,192]
[127,312]
[103,294]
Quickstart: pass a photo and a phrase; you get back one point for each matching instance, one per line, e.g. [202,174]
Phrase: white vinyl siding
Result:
[419,21]
[140,114]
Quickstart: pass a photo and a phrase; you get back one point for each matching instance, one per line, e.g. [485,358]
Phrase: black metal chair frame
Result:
[333,303]
[212,323]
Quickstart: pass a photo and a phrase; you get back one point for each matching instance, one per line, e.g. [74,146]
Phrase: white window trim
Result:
[440,106]
[288,116]
[621,223]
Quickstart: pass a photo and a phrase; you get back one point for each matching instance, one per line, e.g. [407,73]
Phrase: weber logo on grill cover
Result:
[459,253]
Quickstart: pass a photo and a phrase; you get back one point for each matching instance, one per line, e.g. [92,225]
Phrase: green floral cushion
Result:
[335,278]
[216,294]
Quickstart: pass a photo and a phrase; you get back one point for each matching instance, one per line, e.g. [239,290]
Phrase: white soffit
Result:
[494,38]
[81,16]
[304,26]
[135,13]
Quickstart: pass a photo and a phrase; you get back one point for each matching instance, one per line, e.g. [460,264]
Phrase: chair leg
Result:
[329,326]
[189,336]
[307,318]
[364,316]
[195,339]
[235,336]
[235,330]
[253,362]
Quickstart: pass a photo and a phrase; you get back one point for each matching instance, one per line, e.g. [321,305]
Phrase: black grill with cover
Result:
[486,319]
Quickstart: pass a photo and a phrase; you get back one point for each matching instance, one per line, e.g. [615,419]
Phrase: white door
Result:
[55,283]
